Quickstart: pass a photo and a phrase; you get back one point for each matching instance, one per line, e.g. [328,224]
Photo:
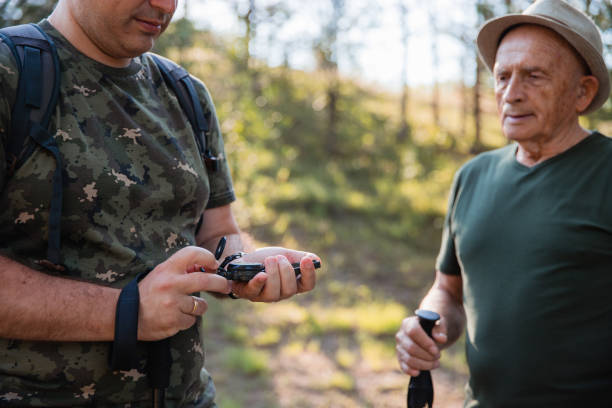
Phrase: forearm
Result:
[232,245]
[37,306]
[447,301]
[217,223]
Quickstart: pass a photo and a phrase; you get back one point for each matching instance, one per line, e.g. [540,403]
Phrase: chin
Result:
[137,49]
[517,134]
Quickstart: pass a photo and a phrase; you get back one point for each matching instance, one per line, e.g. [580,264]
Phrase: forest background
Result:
[326,159]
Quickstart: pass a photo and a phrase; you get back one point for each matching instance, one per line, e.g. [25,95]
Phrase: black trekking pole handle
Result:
[420,389]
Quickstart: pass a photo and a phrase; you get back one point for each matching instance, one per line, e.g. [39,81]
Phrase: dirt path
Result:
[269,356]
[332,347]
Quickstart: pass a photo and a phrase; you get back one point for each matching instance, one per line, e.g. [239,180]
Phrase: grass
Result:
[246,360]
[374,216]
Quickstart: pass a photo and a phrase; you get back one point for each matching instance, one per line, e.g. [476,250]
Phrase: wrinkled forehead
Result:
[549,44]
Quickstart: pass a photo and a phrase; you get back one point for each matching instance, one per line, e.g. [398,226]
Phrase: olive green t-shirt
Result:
[533,246]
[134,190]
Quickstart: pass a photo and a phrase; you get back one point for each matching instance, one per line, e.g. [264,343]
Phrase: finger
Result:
[184,259]
[203,282]
[414,331]
[288,281]
[271,290]
[407,370]
[402,358]
[252,289]
[413,361]
[194,306]
[185,321]
[308,274]
[292,255]
[420,365]
[195,268]
[262,253]
[410,347]
[439,332]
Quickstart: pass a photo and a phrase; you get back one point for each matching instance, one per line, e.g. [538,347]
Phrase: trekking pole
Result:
[420,389]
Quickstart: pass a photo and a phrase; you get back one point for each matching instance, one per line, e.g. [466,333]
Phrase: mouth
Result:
[150,26]
[515,118]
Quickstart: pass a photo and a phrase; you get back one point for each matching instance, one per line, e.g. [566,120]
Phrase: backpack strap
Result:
[37,95]
[179,80]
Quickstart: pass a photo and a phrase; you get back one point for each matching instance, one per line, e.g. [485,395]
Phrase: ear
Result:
[588,86]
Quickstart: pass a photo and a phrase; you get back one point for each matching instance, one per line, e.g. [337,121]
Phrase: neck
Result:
[63,20]
[532,152]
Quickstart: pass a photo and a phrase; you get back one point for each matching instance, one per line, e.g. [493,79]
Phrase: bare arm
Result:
[219,222]
[446,298]
[37,306]
[415,350]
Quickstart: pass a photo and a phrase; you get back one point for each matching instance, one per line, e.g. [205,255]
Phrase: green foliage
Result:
[13,12]
[246,360]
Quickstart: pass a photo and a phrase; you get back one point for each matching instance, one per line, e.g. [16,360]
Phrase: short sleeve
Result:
[221,187]
[447,262]
[9,79]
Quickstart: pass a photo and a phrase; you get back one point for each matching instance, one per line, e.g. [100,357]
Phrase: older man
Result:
[526,255]
[134,189]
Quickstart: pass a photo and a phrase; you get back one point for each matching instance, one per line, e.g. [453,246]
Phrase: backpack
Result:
[37,94]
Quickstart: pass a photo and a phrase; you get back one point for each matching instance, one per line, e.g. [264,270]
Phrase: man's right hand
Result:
[417,351]
[166,303]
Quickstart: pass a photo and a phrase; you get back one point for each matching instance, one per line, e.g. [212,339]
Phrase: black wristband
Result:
[123,354]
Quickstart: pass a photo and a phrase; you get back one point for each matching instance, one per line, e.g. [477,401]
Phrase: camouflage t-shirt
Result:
[134,190]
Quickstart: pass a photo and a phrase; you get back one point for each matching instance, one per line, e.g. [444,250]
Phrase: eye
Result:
[536,75]
[502,77]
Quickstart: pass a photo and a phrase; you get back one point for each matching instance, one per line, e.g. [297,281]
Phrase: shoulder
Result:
[148,59]
[9,71]
[484,162]
[9,81]
[597,152]
[602,141]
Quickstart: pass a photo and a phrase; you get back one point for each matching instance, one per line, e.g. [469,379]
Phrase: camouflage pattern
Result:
[134,190]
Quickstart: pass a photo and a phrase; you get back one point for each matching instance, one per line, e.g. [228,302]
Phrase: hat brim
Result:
[491,32]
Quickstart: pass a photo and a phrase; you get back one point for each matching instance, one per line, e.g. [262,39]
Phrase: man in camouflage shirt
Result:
[134,190]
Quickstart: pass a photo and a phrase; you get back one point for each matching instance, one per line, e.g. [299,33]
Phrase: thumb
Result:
[440,333]
[184,259]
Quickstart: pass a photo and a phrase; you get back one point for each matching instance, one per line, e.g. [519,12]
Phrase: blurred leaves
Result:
[370,204]
[13,12]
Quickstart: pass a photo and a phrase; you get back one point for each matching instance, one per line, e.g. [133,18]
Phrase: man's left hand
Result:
[278,281]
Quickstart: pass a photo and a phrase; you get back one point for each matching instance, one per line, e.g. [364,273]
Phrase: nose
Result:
[513,91]
[165,6]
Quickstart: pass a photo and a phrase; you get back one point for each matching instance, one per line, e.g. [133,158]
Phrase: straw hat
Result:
[577,29]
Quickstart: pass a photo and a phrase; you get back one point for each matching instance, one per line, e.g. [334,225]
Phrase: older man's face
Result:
[536,84]
[123,28]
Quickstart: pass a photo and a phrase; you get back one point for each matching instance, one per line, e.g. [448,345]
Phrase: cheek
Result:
[499,100]
[566,101]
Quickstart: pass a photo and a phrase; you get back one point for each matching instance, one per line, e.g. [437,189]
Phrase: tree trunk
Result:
[333,95]
[477,144]
[464,97]
[404,131]
[435,97]
[331,64]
